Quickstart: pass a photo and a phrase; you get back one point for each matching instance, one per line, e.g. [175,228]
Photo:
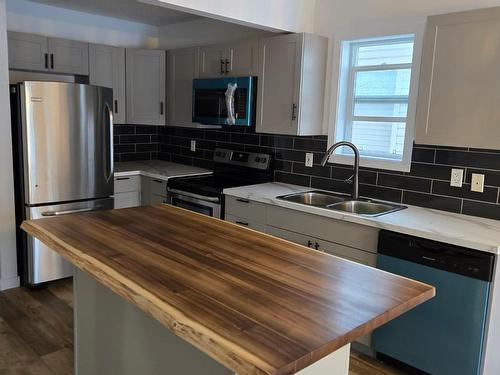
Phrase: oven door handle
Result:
[196,196]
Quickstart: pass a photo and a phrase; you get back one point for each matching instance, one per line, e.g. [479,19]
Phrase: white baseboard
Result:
[9,283]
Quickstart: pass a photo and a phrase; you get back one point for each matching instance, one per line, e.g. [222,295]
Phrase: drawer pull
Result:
[316,246]
[242,200]
[158,181]
[309,243]
[242,223]
[122,178]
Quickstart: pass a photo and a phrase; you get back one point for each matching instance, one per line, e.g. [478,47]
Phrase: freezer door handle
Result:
[108,143]
[66,212]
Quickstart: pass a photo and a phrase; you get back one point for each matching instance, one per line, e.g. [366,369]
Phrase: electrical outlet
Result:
[457,177]
[477,183]
[309,159]
[193,145]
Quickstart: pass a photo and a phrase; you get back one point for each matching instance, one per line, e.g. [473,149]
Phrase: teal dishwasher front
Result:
[443,336]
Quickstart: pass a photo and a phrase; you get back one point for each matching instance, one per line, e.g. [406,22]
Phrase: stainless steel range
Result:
[232,168]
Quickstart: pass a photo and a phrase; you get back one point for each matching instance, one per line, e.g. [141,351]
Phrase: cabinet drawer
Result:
[348,234]
[128,199]
[356,255]
[127,183]
[244,208]
[256,225]
[158,187]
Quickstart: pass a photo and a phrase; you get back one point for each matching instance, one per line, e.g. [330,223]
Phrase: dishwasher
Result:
[443,336]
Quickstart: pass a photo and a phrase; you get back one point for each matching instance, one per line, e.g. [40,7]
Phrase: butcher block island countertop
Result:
[254,303]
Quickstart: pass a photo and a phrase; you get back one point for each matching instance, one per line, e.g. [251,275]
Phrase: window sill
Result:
[376,163]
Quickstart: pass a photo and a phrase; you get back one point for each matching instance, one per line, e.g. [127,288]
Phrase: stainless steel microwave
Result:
[224,101]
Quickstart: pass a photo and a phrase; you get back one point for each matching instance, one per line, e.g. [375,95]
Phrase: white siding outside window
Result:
[373,103]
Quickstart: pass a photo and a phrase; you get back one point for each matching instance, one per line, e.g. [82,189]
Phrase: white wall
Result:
[340,19]
[47,20]
[272,15]
[204,31]
[8,263]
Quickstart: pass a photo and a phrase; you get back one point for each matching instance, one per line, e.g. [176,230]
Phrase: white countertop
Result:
[468,231]
[162,170]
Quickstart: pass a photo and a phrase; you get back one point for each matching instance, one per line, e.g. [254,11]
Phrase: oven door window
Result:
[196,207]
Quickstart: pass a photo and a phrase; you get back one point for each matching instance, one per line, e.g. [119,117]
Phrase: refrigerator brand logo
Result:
[36,99]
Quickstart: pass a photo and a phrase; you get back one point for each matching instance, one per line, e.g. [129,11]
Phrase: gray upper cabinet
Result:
[460,81]
[107,68]
[68,56]
[183,67]
[145,86]
[233,59]
[242,58]
[291,85]
[27,51]
[212,61]
[39,53]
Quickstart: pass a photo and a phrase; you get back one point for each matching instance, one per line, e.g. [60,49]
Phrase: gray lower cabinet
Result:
[27,51]
[183,67]
[40,53]
[291,85]
[107,68]
[459,85]
[146,87]
[68,56]
[127,191]
[153,191]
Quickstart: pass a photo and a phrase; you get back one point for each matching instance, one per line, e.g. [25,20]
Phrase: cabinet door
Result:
[183,67]
[278,84]
[129,199]
[212,61]
[243,58]
[27,51]
[68,56]
[460,81]
[145,86]
[107,68]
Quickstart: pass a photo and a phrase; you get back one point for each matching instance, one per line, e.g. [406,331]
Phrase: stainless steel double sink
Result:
[341,202]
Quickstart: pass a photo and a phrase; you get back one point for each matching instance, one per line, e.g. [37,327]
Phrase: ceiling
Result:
[131,10]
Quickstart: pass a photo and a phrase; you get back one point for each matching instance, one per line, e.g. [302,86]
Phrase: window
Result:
[373,103]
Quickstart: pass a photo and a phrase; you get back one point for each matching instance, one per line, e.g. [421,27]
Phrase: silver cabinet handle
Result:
[60,213]
[294,110]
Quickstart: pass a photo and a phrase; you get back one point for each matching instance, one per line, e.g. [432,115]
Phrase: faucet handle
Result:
[349,180]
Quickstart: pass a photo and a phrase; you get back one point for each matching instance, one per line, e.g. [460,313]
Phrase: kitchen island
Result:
[152,279]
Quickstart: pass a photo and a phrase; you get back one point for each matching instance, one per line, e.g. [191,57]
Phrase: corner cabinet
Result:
[234,59]
[459,91]
[183,67]
[145,89]
[107,68]
[291,85]
[54,55]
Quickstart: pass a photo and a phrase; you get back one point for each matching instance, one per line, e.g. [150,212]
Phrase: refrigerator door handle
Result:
[67,212]
[108,143]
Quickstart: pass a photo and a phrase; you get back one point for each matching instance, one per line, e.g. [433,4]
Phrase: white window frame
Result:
[339,100]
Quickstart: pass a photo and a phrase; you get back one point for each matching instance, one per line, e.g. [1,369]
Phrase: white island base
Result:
[114,337]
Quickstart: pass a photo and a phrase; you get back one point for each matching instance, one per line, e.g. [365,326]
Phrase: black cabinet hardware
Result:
[242,200]
[309,243]
[316,246]
[294,110]
[123,178]
[116,106]
[222,66]
[158,181]
[242,223]
[227,66]
[161,108]
[46,56]
[51,61]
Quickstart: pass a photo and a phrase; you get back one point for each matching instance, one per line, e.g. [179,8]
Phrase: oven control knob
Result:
[257,159]
[263,160]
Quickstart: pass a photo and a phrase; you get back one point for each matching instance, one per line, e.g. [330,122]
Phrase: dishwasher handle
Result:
[434,254]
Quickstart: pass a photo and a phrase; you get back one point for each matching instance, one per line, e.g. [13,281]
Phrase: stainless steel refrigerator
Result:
[63,163]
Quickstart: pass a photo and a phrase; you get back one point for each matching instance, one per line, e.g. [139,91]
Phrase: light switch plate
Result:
[309,159]
[193,145]
[477,183]
[457,177]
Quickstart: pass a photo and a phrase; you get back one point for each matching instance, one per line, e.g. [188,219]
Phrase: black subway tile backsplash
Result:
[427,183]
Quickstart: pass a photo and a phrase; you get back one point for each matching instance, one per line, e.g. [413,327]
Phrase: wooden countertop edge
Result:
[175,320]
[222,350]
